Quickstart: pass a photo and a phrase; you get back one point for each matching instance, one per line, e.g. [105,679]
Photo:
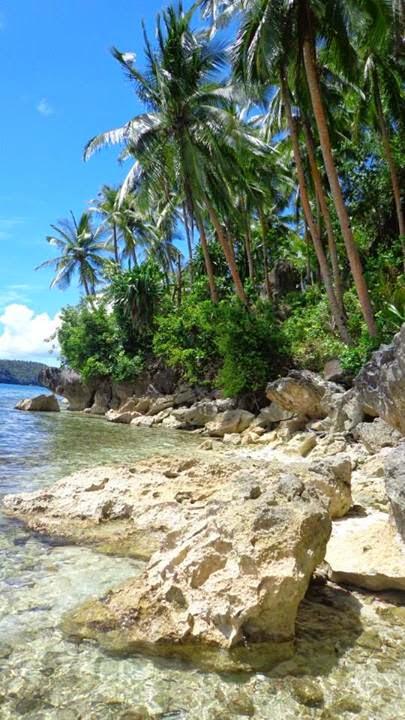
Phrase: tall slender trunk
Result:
[248,240]
[115,240]
[320,254]
[396,189]
[311,71]
[228,252]
[323,204]
[189,241]
[207,259]
[263,225]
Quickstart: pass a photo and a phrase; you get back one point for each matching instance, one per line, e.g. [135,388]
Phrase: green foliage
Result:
[225,345]
[91,344]
[185,339]
[250,346]
[308,333]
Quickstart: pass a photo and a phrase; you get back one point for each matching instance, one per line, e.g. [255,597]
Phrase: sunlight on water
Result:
[350,659]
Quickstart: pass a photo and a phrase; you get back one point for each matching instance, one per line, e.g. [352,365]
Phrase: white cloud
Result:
[45,108]
[24,334]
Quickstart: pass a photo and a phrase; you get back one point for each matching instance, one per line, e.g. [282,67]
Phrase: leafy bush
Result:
[91,344]
[250,347]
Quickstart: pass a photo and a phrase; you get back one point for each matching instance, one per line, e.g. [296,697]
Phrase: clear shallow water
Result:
[350,658]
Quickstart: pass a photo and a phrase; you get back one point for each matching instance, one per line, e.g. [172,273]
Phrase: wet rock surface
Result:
[40,403]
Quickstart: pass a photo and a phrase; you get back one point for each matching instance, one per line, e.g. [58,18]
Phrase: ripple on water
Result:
[350,659]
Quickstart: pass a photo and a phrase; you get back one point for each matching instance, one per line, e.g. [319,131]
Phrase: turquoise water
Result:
[350,648]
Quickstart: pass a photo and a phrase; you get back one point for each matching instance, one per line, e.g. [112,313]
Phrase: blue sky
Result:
[59,86]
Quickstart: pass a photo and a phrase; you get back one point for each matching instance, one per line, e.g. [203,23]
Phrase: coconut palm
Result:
[80,248]
[274,32]
[188,135]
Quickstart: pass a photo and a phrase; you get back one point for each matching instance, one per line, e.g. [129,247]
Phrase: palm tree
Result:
[80,249]
[186,140]
[274,31]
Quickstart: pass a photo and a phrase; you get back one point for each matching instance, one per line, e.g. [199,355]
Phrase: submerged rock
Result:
[40,403]
[234,578]
[236,544]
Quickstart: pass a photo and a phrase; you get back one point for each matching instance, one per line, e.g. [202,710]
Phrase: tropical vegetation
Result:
[260,225]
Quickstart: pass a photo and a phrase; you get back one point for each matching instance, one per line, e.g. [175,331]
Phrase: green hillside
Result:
[20,372]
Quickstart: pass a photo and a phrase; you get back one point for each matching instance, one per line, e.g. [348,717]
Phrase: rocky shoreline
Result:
[233,541]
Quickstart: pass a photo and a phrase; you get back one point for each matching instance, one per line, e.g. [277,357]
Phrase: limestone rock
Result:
[143,421]
[271,414]
[301,444]
[381,383]
[237,544]
[229,422]
[40,403]
[332,478]
[70,385]
[376,435]
[346,412]
[123,417]
[303,393]
[159,404]
[395,486]
[202,412]
[236,577]
[367,552]
[232,439]
[171,422]
[136,404]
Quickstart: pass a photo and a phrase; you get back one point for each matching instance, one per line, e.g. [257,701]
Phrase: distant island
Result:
[20,372]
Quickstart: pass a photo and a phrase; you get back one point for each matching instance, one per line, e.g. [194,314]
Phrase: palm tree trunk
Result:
[396,190]
[189,242]
[316,177]
[248,240]
[208,262]
[311,71]
[320,254]
[228,252]
[265,258]
[117,260]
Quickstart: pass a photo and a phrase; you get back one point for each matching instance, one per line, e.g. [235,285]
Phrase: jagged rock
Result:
[395,485]
[367,552]
[332,477]
[301,444]
[271,414]
[232,439]
[376,435]
[140,405]
[124,417]
[185,395]
[229,422]
[237,545]
[368,488]
[329,445]
[40,403]
[303,393]
[69,384]
[346,412]
[381,383]
[143,421]
[171,423]
[202,412]
[160,403]
[235,578]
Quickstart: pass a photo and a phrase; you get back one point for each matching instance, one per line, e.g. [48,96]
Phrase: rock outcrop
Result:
[367,552]
[380,385]
[394,467]
[229,423]
[236,546]
[40,403]
[304,393]
[376,435]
